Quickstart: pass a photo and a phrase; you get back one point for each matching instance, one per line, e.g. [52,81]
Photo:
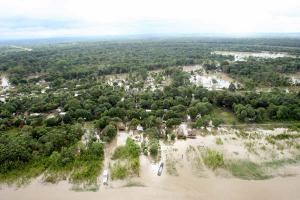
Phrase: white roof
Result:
[35,114]
[62,113]
[139,128]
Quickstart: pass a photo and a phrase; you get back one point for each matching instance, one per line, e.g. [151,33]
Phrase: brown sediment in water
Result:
[168,188]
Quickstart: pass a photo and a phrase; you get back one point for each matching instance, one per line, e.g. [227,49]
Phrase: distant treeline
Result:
[77,60]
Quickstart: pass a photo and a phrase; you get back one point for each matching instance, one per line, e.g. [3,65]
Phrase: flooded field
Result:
[184,175]
[21,48]
[212,81]
[209,80]
[242,56]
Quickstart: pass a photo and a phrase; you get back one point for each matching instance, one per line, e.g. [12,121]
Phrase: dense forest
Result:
[44,129]
[77,60]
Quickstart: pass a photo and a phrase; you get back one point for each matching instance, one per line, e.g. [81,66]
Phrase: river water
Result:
[167,187]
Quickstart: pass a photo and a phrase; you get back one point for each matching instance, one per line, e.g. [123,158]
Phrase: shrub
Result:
[217,121]
[201,122]
[130,150]
[109,132]
[52,121]
[134,166]
[118,171]
[129,164]
[173,122]
[219,141]
[154,147]
[173,136]
[213,159]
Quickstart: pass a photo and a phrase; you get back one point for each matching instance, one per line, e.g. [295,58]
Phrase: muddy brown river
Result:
[167,188]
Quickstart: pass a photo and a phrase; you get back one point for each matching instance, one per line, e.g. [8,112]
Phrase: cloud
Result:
[38,18]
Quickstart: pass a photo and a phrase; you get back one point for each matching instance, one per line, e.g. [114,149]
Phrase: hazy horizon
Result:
[33,19]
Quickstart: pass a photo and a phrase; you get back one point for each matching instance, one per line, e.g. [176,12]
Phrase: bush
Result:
[94,151]
[173,136]
[173,122]
[201,122]
[119,153]
[52,121]
[102,123]
[216,122]
[213,159]
[134,123]
[154,147]
[144,148]
[135,166]
[219,141]
[86,114]
[118,171]
[130,150]
[109,132]
[129,164]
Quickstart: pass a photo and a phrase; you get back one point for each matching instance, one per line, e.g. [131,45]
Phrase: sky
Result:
[62,18]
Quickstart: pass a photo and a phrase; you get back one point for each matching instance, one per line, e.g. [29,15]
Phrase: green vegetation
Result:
[128,163]
[130,150]
[58,88]
[22,175]
[268,72]
[248,170]
[279,163]
[109,132]
[19,148]
[80,164]
[212,159]
[245,169]
[225,115]
[285,136]
[53,151]
[153,146]
[118,171]
[219,141]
